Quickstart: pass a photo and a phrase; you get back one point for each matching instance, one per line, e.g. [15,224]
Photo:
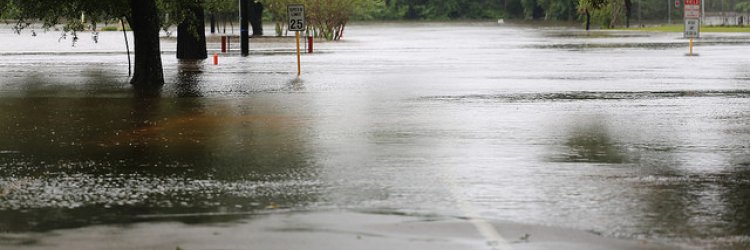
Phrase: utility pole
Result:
[244,27]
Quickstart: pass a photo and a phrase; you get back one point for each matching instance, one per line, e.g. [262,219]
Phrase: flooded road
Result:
[614,133]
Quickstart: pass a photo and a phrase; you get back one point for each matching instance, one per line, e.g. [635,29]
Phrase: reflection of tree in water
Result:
[592,143]
[188,78]
[80,161]
[737,198]
[659,198]
[667,199]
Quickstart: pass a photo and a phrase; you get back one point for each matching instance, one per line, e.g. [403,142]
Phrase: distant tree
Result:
[628,12]
[325,18]
[277,10]
[587,7]
[742,7]
[223,9]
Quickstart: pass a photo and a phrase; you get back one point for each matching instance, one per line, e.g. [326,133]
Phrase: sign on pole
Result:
[692,18]
[296,13]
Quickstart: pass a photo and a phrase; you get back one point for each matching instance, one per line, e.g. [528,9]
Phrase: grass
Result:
[680,28]
[114,28]
[110,28]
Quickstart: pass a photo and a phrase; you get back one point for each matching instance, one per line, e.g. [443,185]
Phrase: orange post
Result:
[223,44]
[309,44]
[299,67]
[216,58]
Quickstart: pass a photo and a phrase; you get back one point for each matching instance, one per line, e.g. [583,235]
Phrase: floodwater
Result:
[611,132]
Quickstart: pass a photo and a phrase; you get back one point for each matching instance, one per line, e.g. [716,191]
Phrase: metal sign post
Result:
[296,14]
[692,21]
[244,28]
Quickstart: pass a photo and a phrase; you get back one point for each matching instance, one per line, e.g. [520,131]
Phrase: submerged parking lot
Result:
[611,133]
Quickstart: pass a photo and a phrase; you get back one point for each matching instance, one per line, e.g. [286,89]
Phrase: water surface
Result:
[616,133]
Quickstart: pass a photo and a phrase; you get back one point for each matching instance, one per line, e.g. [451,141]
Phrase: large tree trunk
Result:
[191,35]
[144,21]
[256,18]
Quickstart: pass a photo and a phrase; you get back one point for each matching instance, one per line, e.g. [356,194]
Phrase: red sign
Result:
[692,9]
[676,3]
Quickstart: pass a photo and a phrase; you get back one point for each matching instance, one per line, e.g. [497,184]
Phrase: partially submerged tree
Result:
[189,16]
[256,17]
[142,15]
[144,20]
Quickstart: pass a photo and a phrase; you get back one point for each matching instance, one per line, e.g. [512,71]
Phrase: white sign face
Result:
[692,28]
[692,9]
[296,13]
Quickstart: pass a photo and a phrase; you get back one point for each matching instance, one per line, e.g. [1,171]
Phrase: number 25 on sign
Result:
[296,13]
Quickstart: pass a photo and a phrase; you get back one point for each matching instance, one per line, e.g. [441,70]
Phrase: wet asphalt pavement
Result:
[615,133]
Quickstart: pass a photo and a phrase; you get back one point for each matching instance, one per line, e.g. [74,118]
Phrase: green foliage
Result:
[602,17]
[67,12]
[325,18]
[528,8]
[742,7]
[174,12]
[391,10]
[439,9]
[276,9]
[221,6]
[110,28]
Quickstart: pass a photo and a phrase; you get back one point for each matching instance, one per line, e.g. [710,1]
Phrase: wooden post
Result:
[299,65]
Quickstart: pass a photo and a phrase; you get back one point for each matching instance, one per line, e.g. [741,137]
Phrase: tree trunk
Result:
[588,19]
[213,24]
[628,11]
[256,18]
[191,35]
[144,21]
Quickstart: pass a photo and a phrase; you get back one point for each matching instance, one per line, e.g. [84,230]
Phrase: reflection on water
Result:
[188,78]
[592,143]
[77,161]
[664,195]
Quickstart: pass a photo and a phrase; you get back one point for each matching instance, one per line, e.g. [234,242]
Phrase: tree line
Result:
[325,18]
[602,13]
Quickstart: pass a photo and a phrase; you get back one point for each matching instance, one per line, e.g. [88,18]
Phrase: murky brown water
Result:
[616,133]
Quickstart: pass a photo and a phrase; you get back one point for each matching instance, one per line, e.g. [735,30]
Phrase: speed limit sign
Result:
[296,13]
